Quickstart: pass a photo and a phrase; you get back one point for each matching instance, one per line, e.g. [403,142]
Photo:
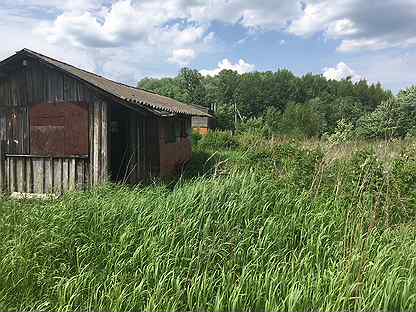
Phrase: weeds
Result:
[275,227]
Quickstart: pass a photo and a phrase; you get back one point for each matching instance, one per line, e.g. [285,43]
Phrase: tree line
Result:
[280,102]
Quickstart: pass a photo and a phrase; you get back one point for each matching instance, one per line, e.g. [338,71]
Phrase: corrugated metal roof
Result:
[127,93]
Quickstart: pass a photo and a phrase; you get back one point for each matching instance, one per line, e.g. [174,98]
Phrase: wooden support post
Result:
[104,142]
[3,183]
[97,144]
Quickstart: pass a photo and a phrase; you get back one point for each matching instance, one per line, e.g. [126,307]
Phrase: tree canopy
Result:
[309,105]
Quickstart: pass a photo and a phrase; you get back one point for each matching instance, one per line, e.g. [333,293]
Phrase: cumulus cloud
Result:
[126,38]
[360,25]
[253,14]
[241,67]
[395,70]
[339,72]
[182,56]
[119,25]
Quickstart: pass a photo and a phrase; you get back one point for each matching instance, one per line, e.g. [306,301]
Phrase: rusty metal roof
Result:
[127,93]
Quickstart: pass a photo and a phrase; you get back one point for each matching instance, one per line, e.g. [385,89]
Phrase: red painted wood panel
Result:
[173,156]
[59,129]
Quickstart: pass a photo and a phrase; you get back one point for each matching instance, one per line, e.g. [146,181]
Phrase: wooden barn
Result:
[203,124]
[63,128]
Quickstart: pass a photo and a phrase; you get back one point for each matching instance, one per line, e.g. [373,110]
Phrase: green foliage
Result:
[196,137]
[165,86]
[344,133]
[299,120]
[404,175]
[298,165]
[281,229]
[394,118]
[408,97]
[387,121]
[190,81]
[224,118]
[218,140]
[255,126]
[256,94]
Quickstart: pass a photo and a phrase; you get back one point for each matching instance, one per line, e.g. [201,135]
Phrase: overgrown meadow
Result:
[252,224]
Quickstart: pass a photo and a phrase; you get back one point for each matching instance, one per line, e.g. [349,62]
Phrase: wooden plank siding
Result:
[41,84]
[24,87]
[22,172]
[43,175]
[144,157]
[98,136]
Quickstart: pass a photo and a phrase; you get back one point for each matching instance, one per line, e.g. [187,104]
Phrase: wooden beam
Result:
[3,183]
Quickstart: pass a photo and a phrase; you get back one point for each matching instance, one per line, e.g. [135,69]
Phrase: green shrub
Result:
[255,127]
[404,175]
[215,140]
[394,118]
[344,132]
[300,120]
[298,165]
[196,137]
[385,122]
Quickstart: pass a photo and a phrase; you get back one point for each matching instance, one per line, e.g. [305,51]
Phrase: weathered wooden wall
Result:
[203,125]
[174,155]
[98,137]
[34,84]
[42,175]
[14,129]
[37,84]
[144,158]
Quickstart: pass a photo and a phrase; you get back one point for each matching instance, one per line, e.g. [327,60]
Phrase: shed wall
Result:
[173,156]
[24,88]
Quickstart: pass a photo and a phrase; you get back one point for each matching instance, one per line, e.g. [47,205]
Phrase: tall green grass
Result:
[247,237]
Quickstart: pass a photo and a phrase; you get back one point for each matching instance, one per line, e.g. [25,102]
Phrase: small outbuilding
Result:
[63,128]
[203,124]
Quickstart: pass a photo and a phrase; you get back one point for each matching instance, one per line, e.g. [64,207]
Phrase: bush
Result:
[196,137]
[298,165]
[344,132]
[404,173]
[385,122]
[218,140]
[300,120]
[394,118]
[254,126]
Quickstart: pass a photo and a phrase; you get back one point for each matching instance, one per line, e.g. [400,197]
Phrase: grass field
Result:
[252,225]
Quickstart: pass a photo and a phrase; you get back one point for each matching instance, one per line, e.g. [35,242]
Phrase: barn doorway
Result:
[119,138]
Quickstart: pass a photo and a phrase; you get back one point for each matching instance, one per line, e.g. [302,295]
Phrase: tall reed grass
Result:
[247,237]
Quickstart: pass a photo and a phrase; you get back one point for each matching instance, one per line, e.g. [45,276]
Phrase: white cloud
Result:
[182,56]
[119,25]
[395,70]
[339,72]
[341,28]
[253,14]
[360,25]
[241,67]
[145,29]
[363,44]
[124,39]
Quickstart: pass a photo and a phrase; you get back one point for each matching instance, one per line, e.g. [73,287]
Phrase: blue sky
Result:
[127,40]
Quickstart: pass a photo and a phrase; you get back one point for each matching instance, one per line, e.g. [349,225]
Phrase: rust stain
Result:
[59,129]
